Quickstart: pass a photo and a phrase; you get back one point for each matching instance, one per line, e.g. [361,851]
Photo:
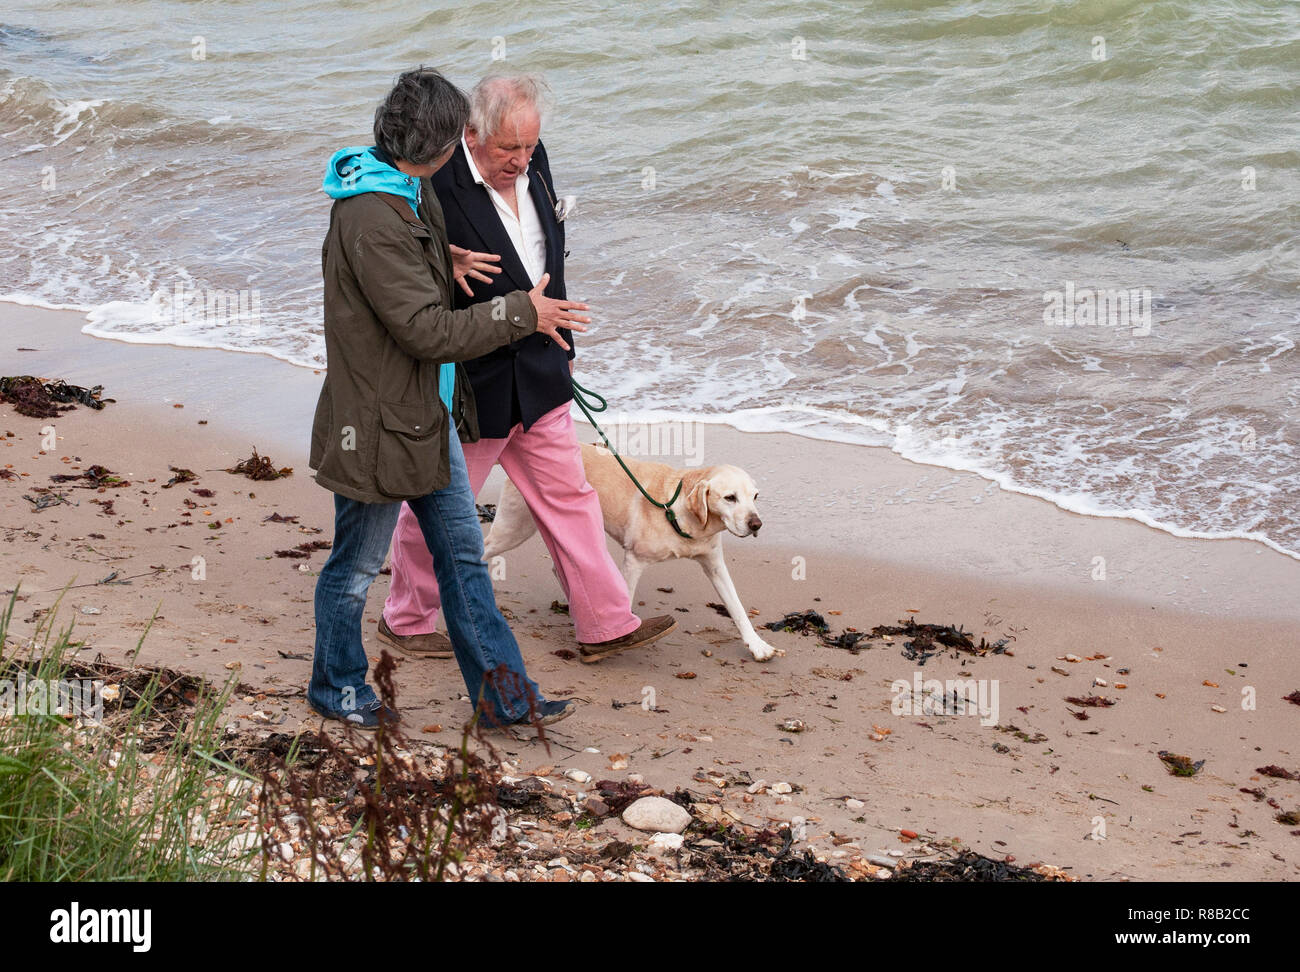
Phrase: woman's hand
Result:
[467,263]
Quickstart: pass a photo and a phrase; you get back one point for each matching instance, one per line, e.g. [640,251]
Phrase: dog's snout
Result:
[754,523]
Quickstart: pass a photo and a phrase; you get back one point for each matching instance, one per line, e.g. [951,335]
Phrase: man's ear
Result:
[697,500]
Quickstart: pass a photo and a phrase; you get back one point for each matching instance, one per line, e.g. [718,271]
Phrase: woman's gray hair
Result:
[421,118]
[497,95]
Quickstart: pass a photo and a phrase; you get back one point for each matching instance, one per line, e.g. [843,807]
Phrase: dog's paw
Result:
[762,651]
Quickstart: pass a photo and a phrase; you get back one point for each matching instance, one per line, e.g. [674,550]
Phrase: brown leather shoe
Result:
[652,629]
[435,644]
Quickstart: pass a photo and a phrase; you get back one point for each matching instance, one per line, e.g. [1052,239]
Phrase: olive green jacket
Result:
[380,432]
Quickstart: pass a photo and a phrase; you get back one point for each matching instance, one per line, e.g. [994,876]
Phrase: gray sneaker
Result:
[366,717]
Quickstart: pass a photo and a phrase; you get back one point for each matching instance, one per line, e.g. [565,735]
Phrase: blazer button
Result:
[516,318]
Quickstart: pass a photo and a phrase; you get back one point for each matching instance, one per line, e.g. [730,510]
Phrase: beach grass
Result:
[141,794]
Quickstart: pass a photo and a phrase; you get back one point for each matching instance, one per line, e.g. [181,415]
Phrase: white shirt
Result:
[525,232]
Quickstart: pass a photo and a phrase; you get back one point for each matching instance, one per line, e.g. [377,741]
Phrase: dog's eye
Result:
[730,497]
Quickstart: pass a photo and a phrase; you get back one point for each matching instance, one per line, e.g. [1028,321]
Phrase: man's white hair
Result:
[497,95]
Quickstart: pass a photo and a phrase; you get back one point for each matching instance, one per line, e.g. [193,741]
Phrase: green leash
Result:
[580,395]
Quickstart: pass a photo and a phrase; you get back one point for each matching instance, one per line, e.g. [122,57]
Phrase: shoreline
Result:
[1020,538]
[880,537]
[740,422]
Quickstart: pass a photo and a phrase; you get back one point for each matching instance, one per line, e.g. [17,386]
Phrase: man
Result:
[382,433]
[501,208]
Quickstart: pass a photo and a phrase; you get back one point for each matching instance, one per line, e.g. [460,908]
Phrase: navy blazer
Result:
[534,368]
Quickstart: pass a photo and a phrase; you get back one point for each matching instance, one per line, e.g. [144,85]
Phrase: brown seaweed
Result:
[259,468]
[797,622]
[38,398]
[182,476]
[967,866]
[96,477]
[1180,765]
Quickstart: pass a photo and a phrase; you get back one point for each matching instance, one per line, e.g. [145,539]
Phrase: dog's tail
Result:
[513,523]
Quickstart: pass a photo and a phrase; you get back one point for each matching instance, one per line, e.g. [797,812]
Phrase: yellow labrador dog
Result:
[713,499]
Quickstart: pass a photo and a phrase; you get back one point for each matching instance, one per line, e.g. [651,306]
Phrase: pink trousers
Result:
[545,465]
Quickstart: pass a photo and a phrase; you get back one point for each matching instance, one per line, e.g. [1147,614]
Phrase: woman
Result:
[382,431]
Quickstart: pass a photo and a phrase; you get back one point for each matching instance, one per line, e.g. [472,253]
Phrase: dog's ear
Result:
[697,500]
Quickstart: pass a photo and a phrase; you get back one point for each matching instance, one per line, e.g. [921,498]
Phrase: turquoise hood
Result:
[358,169]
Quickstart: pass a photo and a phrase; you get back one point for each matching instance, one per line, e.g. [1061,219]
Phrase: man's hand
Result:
[554,314]
[467,263]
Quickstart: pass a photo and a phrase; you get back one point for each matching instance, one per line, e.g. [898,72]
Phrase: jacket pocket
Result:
[412,449]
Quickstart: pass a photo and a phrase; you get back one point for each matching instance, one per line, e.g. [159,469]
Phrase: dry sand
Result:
[875,537]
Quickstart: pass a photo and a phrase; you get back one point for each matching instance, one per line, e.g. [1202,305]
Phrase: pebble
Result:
[782,788]
[1099,681]
[578,776]
[639,877]
[656,814]
[667,842]
[853,804]
[244,842]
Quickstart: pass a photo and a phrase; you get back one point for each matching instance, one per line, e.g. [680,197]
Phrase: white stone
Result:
[667,842]
[656,814]
[243,843]
[578,776]
[782,788]
[854,804]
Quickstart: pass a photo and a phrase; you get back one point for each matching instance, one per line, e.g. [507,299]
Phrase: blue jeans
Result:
[485,648]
